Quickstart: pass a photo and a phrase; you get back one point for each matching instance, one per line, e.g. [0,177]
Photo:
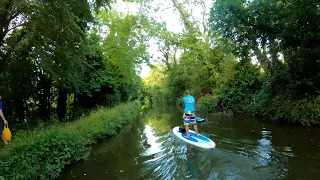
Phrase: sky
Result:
[168,14]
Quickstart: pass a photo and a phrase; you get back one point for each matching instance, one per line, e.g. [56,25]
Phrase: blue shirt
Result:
[0,108]
[189,103]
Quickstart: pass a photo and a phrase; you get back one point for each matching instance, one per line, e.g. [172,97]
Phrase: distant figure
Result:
[3,122]
[189,116]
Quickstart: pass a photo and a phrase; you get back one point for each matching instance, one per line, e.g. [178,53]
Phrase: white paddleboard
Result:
[199,141]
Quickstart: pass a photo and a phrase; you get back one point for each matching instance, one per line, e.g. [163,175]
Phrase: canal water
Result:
[246,148]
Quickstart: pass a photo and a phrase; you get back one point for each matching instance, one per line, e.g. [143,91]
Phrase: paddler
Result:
[3,122]
[189,115]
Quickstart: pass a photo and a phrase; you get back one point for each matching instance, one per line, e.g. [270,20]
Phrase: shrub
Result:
[43,153]
[104,123]
[305,111]
[207,103]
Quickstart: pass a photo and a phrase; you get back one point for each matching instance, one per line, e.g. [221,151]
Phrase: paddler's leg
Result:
[195,125]
[186,125]
[187,131]
[196,128]
[4,141]
[1,133]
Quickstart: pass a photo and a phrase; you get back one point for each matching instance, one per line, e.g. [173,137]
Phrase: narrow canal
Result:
[247,148]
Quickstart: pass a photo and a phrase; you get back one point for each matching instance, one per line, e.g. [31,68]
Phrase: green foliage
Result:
[53,50]
[281,37]
[42,153]
[279,108]
[102,122]
[42,41]
[124,47]
[207,103]
[154,88]
[272,27]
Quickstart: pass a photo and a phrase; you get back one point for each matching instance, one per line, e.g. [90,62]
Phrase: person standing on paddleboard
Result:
[189,115]
[3,122]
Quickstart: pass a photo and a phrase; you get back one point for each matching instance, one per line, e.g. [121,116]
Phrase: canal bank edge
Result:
[43,153]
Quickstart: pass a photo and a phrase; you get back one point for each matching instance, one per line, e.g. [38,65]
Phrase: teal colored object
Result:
[199,119]
[189,102]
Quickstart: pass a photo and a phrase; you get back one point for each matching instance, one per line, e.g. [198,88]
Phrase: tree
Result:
[270,28]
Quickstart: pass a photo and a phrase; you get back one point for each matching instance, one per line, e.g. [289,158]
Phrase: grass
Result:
[44,152]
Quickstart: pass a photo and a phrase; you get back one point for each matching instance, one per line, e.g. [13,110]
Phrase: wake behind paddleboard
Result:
[199,141]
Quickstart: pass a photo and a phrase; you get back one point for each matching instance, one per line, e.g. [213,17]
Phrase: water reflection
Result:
[265,149]
[154,147]
[161,156]
[246,149]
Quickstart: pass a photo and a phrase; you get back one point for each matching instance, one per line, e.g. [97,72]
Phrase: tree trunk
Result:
[45,106]
[62,104]
[19,107]
[75,100]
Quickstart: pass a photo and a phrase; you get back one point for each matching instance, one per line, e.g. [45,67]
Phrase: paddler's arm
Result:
[2,116]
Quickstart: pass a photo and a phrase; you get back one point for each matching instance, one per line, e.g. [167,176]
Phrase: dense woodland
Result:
[60,59]
[258,58]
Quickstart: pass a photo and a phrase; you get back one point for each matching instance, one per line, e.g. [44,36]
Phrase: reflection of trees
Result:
[112,145]
[297,147]
[114,155]
[162,121]
[163,156]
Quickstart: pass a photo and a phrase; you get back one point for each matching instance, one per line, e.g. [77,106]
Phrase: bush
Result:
[305,111]
[44,152]
[208,104]
[104,123]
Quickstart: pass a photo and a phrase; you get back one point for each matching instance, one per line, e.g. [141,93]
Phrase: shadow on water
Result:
[247,148]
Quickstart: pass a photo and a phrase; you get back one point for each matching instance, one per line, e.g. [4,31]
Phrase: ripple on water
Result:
[287,151]
[166,157]
[240,154]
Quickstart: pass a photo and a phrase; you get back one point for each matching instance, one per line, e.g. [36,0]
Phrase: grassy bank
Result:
[44,152]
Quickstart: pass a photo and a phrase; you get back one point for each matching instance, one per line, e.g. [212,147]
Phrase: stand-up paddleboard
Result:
[199,141]
[199,119]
